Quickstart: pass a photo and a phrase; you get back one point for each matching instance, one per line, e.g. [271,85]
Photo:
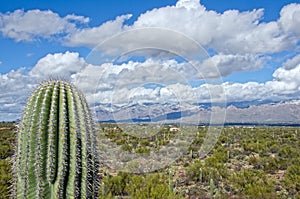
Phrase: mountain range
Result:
[247,112]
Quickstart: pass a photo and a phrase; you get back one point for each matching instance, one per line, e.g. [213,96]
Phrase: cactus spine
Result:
[56,154]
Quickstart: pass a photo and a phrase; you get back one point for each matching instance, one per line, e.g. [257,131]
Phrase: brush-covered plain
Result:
[246,162]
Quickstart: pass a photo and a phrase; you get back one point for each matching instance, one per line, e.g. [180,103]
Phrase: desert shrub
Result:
[120,141]
[253,184]
[193,172]
[268,164]
[287,151]
[116,185]
[137,186]
[145,142]
[4,151]
[274,147]
[216,162]
[142,150]
[5,178]
[150,186]
[126,147]
[292,178]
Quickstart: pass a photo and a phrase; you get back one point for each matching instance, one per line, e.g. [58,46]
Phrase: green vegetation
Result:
[56,155]
[246,162]
[131,143]
[153,185]
[7,142]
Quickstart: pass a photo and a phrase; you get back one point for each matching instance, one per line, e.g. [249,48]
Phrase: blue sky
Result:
[98,11]
[255,47]
[101,11]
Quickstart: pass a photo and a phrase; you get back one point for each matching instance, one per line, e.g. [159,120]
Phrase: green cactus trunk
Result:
[171,181]
[56,155]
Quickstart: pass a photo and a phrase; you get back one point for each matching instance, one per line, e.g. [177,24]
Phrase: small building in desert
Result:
[174,129]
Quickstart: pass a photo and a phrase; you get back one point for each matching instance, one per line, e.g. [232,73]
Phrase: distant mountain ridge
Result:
[247,112]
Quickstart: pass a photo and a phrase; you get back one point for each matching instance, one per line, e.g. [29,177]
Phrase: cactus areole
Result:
[56,150]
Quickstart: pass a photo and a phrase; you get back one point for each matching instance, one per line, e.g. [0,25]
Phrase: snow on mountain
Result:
[287,112]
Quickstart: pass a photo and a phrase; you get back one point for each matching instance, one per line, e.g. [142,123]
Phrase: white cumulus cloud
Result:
[230,63]
[58,65]
[292,63]
[93,36]
[230,32]
[130,83]
[29,25]
[285,85]
[290,19]
[239,40]
[15,87]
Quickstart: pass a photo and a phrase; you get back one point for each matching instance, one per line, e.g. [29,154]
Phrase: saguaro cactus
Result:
[171,180]
[56,154]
